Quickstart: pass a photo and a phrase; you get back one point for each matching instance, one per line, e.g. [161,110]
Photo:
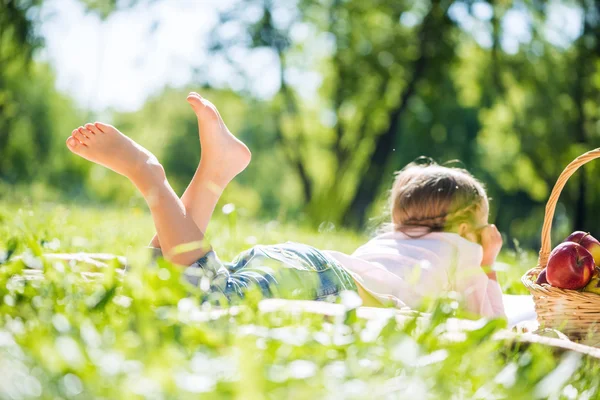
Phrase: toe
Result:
[92,128]
[104,127]
[73,144]
[195,101]
[81,137]
[87,133]
[81,130]
[202,107]
[75,133]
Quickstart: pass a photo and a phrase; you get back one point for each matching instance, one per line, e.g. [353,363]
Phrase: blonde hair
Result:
[435,197]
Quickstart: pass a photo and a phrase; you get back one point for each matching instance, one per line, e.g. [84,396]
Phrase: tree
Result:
[18,41]
[33,115]
[372,73]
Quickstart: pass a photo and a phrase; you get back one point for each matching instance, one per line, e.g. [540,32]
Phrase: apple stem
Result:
[584,236]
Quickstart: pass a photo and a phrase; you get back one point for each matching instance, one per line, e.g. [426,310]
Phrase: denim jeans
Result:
[287,271]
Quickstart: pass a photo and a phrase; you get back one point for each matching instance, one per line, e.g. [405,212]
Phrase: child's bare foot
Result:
[223,155]
[103,144]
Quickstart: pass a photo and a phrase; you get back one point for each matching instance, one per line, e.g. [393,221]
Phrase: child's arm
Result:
[477,283]
[491,241]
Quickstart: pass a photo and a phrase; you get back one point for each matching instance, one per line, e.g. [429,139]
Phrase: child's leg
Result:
[105,145]
[223,157]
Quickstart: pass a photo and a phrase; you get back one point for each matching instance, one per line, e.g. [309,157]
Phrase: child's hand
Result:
[491,241]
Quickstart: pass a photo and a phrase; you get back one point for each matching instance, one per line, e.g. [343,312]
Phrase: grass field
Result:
[66,336]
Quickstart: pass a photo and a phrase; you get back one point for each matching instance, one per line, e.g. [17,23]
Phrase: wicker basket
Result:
[575,313]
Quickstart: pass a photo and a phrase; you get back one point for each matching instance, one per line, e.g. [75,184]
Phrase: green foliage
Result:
[35,119]
[38,121]
[83,332]
[18,37]
[407,78]
[398,79]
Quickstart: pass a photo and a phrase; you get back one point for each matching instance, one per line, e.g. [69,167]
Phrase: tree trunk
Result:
[292,150]
[372,178]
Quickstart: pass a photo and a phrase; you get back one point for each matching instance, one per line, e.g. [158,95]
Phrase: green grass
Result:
[68,337]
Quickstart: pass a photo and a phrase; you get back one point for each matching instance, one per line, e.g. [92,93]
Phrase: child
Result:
[440,240]
[439,215]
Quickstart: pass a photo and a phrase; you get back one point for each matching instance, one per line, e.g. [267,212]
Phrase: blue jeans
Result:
[286,271]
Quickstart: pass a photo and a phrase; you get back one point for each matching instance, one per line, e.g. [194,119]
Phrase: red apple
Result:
[542,277]
[590,243]
[570,266]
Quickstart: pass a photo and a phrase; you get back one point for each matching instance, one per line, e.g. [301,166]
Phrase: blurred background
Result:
[332,96]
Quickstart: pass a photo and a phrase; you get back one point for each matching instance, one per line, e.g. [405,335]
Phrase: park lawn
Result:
[69,337]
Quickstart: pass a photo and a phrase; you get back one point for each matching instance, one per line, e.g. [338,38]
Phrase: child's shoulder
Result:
[436,242]
[417,235]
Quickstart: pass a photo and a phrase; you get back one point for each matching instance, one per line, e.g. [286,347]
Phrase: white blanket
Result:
[519,309]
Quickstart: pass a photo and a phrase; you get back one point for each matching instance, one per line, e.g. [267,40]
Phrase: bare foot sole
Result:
[223,155]
[103,144]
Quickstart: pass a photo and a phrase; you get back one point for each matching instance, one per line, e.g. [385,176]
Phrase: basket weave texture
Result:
[575,313]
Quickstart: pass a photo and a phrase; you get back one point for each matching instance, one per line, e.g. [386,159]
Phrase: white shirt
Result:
[395,267]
